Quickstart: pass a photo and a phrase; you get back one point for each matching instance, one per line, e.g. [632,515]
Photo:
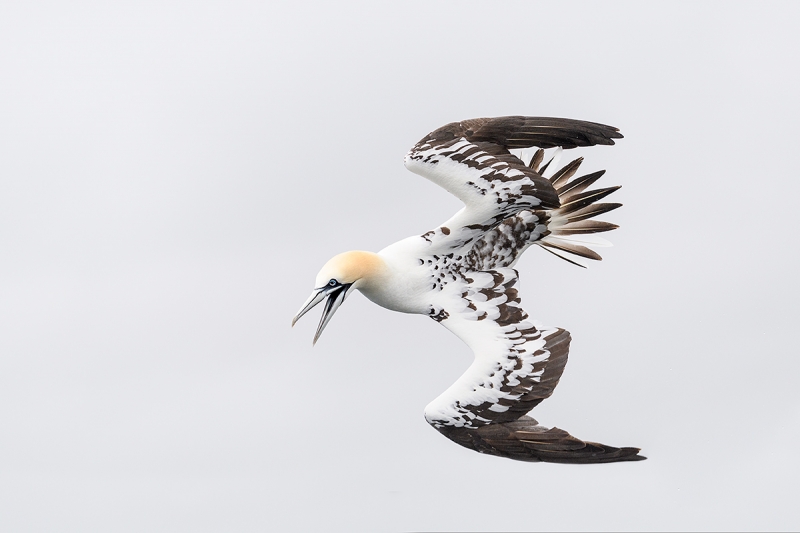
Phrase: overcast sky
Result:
[174,174]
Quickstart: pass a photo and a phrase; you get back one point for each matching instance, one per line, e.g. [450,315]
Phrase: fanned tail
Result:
[570,227]
[525,440]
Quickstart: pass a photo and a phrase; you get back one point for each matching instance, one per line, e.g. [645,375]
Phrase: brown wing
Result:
[524,132]
[525,440]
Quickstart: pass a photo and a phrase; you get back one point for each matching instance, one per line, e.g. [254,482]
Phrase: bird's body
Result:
[461,275]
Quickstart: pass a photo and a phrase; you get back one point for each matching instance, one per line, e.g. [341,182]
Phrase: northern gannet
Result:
[461,275]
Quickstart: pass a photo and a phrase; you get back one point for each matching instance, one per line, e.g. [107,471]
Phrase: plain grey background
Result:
[173,175]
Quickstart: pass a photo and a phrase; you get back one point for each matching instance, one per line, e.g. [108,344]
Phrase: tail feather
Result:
[584,226]
[576,249]
[579,185]
[579,201]
[560,256]
[585,239]
[590,211]
[545,171]
[536,160]
[566,172]
[569,227]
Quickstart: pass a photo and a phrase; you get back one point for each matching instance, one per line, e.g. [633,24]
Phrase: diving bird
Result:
[461,274]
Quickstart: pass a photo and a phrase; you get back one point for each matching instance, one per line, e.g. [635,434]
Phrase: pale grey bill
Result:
[336,295]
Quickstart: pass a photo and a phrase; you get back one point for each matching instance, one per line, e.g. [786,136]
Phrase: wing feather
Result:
[542,132]
[517,364]
[471,160]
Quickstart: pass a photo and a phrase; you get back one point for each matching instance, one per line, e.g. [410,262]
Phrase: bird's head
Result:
[337,279]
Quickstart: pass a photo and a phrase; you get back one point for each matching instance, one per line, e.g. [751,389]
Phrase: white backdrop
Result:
[173,174]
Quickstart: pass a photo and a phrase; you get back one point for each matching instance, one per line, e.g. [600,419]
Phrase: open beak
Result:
[336,296]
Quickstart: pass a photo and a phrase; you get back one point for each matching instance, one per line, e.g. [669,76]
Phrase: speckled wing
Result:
[471,159]
[568,232]
[517,364]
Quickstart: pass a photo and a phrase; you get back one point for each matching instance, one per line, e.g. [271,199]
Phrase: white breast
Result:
[406,287]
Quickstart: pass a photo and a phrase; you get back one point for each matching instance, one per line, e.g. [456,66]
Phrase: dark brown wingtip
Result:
[543,132]
[524,440]
[630,454]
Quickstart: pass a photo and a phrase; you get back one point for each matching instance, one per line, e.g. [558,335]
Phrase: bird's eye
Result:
[333,283]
